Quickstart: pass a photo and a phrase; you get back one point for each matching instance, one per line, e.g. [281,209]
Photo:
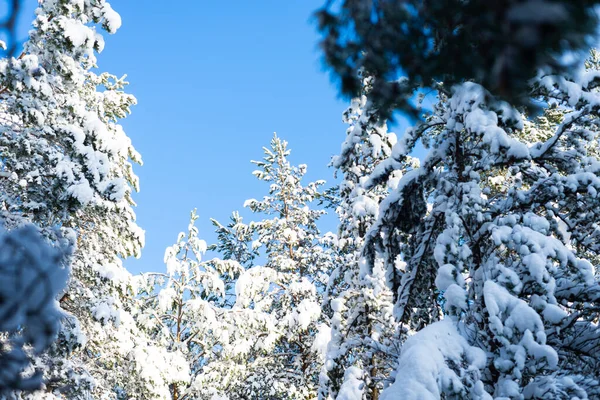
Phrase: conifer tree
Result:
[298,255]
[501,214]
[360,353]
[32,276]
[67,162]
[283,356]
[186,310]
[247,330]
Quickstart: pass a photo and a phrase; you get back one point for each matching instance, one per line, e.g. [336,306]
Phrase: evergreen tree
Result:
[66,161]
[247,330]
[32,276]
[362,301]
[284,354]
[297,253]
[185,310]
[500,215]
[241,329]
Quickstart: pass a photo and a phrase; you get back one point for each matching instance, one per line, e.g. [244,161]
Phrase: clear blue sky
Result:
[214,80]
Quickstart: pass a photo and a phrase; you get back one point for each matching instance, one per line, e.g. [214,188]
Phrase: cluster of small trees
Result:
[248,323]
[467,273]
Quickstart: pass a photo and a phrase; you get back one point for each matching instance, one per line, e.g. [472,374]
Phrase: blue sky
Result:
[214,80]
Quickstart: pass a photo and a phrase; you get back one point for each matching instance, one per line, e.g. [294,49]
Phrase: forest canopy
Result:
[464,259]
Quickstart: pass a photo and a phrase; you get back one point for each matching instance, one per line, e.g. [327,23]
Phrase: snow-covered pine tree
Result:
[284,353]
[188,312]
[298,253]
[241,329]
[501,223]
[66,161]
[360,354]
[235,241]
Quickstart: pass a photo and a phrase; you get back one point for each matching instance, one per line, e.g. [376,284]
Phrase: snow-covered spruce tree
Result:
[67,162]
[501,219]
[360,354]
[283,358]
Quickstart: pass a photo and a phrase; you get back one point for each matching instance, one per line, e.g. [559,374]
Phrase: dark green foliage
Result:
[500,44]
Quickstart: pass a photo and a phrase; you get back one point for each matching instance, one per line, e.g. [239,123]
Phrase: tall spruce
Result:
[299,261]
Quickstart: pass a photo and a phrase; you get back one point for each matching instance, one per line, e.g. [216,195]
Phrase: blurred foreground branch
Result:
[8,27]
